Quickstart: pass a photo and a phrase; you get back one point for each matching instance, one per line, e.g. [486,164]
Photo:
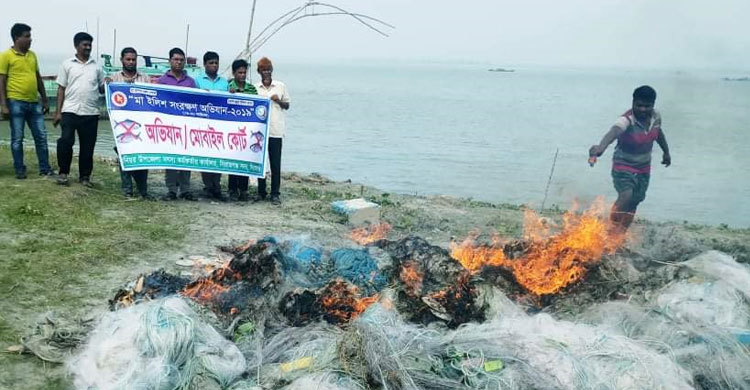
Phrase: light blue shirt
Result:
[217,84]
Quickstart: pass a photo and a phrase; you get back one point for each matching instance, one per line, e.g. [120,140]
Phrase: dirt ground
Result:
[306,212]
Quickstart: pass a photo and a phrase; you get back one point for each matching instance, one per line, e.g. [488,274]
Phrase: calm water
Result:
[464,131]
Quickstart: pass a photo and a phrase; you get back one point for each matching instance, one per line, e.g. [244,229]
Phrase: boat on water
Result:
[152,66]
[503,70]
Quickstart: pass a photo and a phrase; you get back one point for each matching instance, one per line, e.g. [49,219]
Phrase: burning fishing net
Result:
[338,303]
[303,263]
[406,314]
[554,257]
[158,284]
[358,267]
[161,344]
[370,234]
[433,286]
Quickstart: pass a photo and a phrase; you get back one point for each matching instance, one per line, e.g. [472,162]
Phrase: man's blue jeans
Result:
[21,113]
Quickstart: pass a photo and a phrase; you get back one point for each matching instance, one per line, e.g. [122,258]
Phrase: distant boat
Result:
[502,70]
[736,78]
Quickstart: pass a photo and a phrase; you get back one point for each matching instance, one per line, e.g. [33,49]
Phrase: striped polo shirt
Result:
[246,88]
[635,142]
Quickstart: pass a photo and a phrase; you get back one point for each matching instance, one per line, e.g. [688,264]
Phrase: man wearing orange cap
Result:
[276,91]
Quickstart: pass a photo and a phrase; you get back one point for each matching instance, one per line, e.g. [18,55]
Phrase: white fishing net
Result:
[161,344]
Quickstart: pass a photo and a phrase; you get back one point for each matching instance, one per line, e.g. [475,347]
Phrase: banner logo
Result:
[119,99]
[260,112]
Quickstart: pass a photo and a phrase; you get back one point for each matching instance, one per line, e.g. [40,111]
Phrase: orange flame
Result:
[536,228]
[474,257]
[555,260]
[368,235]
[341,301]
[412,277]
[206,289]
[361,304]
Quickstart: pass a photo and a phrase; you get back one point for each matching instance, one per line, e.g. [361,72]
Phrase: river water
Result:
[464,131]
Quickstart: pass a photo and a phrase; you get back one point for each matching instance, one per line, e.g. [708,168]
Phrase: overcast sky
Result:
[675,34]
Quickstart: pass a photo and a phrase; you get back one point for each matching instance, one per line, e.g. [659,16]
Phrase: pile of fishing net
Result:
[307,265]
[703,321]
[693,332]
[512,351]
[162,344]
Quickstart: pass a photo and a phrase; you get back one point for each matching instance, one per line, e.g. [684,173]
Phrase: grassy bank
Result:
[56,246]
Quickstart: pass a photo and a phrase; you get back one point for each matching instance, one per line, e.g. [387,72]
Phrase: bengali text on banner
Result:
[164,127]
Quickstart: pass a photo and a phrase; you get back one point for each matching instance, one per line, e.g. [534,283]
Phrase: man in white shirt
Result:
[80,82]
[280,100]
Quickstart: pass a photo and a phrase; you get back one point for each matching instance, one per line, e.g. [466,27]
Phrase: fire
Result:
[342,303]
[554,260]
[208,288]
[412,277]
[204,290]
[368,235]
[361,304]
[455,303]
[474,257]
[536,228]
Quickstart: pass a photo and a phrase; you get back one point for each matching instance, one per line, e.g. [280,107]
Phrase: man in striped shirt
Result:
[635,132]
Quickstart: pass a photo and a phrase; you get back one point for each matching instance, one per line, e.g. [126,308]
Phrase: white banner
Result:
[159,127]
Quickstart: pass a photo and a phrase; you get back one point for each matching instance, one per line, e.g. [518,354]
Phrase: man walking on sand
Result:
[211,81]
[21,87]
[80,82]
[130,74]
[635,132]
[177,179]
[280,100]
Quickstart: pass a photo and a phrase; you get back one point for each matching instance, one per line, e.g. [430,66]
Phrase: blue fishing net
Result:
[358,267]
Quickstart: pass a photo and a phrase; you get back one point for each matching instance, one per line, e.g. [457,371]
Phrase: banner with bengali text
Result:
[165,127]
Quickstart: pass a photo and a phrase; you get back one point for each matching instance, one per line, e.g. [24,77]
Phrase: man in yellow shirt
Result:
[20,90]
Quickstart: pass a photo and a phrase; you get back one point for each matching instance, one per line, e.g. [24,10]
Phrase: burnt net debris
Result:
[561,309]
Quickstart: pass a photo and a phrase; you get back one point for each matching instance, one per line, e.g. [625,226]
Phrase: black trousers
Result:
[86,127]
[237,184]
[175,179]
[141,181]
[127,177]
[211,182]
[274,157]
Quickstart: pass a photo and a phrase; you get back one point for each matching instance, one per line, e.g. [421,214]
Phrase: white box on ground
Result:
[358,211]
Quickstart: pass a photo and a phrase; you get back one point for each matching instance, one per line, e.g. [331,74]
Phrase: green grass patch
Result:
[57,244]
